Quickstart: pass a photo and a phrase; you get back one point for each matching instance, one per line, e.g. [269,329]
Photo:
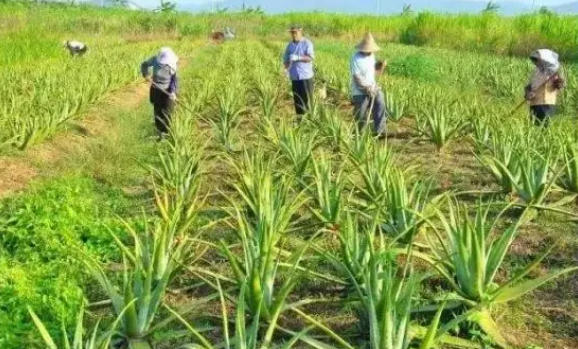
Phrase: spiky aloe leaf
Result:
[484,319]
[42,329]
[510,293]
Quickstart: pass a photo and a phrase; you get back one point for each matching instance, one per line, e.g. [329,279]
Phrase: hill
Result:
[364,6]
[571,8]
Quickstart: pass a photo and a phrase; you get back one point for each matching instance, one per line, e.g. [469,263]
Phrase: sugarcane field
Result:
[242,179]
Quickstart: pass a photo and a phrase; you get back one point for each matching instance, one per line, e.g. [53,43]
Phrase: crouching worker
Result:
[75,48]
[367,98]
[546,82]
[163,87]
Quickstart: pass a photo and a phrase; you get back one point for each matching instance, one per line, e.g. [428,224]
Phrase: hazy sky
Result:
[155,2]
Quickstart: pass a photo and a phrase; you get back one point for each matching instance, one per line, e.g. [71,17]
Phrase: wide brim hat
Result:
[168,57]
[368,44]
[549,58]
[295,28]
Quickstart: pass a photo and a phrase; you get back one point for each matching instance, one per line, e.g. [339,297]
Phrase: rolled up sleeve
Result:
[309,50]
[145,66]
[286,55]
[173,85]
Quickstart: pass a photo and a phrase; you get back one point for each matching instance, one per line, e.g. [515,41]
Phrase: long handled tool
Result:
[179,103]
[373,97]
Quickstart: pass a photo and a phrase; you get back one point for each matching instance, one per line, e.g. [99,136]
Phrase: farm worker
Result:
[163,86]
[76,48]
[228,34]
[367,97]
[298,62]
[545,83]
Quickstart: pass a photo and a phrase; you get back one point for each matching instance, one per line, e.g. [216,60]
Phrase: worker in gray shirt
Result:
[163,86]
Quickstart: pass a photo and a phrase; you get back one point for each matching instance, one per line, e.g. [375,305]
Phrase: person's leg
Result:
[538,114]
[160,111]
[549,111]
[360,106]
[379,113]
[308,93]
[167,107]
[168,113]
[152,95]
[297,87]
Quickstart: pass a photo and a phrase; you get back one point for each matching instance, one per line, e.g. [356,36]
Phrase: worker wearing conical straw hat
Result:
[367,97]
[542,90]
[298,62]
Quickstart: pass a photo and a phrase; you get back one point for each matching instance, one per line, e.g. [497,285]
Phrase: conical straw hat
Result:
[368,44]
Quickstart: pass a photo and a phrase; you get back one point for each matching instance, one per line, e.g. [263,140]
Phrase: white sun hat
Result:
[550,59]
[168,57]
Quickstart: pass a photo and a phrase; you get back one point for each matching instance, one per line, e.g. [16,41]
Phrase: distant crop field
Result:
[246,229]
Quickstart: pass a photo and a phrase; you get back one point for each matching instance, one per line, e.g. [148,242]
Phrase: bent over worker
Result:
[298,62]
[367,97]
[163,86]
[75,48]
[545,83]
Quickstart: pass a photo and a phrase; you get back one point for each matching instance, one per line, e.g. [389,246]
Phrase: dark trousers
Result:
[363,105]
[542,113]
[163,109]
[80,52]
[302,95]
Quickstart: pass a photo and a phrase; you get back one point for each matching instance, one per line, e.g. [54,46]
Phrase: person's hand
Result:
[147,79]
[294,58]
[173,96]
[559,83]
[373,90]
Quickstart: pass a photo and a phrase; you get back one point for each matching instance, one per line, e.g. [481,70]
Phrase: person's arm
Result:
[380,67]
[309,55]
[145,66]
[286,55]
[173,85]
[358,78]
[559,81]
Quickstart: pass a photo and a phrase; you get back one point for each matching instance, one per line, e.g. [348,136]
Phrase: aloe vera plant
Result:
[41,100]
[147,272]
[157,254]
[569,177]
[501,156]
[331,127]
[468,253]
[268,96]
[361,146]
[230,111]
[327,192]
[261,231]
[384,292]
[246,333]
[532,177]
[374,172]
[297,145]
[396,107]
[97,339]
[405,206]
[441,125]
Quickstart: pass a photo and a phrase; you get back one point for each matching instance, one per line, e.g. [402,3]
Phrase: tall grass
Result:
[474,32]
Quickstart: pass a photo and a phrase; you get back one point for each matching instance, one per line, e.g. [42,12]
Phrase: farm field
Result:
[245,229]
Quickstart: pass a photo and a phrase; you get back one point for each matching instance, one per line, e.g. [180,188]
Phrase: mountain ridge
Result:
[570,8]
[507,7]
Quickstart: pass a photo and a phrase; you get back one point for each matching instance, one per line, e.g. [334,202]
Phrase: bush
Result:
[415,66]
[40,232]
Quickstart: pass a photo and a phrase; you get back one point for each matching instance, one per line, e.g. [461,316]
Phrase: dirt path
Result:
[17,171]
